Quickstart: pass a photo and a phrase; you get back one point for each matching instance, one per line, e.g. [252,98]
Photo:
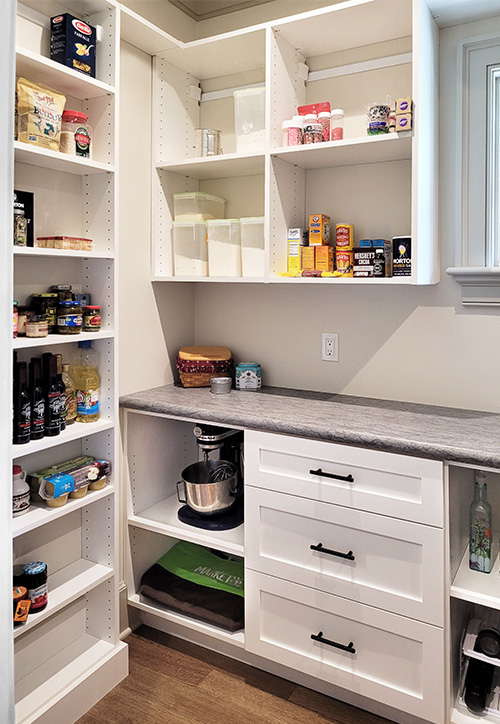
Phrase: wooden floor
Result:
[174,682]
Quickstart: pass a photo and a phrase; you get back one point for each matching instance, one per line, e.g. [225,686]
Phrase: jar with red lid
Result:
[92,318]
[76,134]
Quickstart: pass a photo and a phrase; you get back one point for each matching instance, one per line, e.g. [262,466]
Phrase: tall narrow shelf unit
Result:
[352,53]
[68,656]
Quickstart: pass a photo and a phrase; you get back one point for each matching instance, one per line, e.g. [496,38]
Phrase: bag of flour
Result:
[39,113]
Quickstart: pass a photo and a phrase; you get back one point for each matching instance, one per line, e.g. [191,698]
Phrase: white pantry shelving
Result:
[70,654]
[386,185]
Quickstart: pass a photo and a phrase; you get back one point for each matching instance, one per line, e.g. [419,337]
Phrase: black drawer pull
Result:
[319,637]
[347,478]
[320,548]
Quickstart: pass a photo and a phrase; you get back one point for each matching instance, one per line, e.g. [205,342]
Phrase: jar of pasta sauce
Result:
[35,580]
[91,318]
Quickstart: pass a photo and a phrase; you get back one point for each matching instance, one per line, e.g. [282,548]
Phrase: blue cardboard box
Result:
[73,43]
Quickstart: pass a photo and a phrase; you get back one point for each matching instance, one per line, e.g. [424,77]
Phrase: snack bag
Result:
[39,113]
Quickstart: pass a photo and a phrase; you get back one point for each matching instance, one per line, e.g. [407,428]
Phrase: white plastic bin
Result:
[250,120]
[190,249]
[252,246]
[198,206]
[224,248]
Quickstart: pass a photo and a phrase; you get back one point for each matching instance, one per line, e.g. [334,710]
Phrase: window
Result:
[478,116]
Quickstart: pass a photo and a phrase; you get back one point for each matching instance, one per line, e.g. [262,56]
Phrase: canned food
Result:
[344,236]
[345,262]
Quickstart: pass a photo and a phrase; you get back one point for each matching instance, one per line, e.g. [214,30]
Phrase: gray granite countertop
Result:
[465,436]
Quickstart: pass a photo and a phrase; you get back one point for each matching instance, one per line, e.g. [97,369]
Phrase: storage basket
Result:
[197,365]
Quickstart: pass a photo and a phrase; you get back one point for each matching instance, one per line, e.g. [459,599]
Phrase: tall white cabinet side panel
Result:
[425,144]
[6,189]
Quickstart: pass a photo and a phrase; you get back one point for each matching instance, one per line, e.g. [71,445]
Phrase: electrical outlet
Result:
[330,347]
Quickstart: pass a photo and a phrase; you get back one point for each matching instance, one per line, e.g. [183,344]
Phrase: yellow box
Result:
[324,258]
[294,248]
[308,257]
[319,229]
[403,105]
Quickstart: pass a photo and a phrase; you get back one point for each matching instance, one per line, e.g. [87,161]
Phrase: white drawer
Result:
[397,661]
[395,565]
[397,485]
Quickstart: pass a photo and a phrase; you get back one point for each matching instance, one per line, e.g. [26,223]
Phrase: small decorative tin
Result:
[248,376]
[220,385]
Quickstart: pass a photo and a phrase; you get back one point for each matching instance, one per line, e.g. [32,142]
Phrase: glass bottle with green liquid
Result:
[87,382]
[480,527]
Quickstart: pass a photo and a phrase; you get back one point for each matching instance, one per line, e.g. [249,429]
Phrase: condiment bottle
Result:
[22,405]
[337,125]
[36,583]
[15,319]
[37,399]
[324,122]
[480,527]
[70,387]
[52,395]
[20,228]
[20,492]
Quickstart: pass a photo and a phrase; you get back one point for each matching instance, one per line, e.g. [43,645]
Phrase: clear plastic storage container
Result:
[224,248]
[252,246]
[250,120]
[190,249]
[198,206]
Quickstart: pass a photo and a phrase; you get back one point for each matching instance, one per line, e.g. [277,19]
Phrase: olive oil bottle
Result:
[87,383]
[480,527]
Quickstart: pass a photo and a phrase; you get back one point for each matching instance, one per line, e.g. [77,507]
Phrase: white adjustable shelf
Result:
[223,166]
[148,606]
[39,513]
[56,161]
[76,431]
[51,339]
[162,518]
[33,66]
[348,151]
[473,628]
[477,587]
[65,586]
[21,251]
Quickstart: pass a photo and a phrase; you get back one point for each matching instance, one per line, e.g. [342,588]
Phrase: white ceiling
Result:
[204,9]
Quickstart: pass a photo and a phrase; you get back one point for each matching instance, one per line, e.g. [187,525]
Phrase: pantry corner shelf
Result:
[147,606]
[477,587]
[39,513]
[162,518]
[56,161]
[65,586]
[76,431]
[56,75]
[211,167]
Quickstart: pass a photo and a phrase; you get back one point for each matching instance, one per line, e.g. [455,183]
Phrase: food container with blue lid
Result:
[248,376]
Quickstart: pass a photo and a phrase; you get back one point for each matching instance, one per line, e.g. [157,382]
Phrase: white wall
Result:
[154,320]
[413,344]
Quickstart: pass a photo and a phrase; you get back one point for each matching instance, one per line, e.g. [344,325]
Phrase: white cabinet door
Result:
[392,564]
[391,659]
[379,482]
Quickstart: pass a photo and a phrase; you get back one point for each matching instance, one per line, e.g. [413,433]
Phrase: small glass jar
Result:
[337,125]
[46,303]
[76,134]
[20,228]
[22,315]
[36,583]
[37,325]
[15,320]
[293,131]
[92,318]
[324,122]
[63,291]
[69,317]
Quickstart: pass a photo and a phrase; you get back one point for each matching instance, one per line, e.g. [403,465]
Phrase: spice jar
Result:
[36,583]
[69,317]
[20,491]
[312,133]
[92,318]
[37,325]
[15,321]
[293,131]
[76,134]
[337,125]
[324,122]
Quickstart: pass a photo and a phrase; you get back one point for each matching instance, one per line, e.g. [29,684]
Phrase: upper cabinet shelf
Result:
[55,75]
[212,167]
[45,158]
